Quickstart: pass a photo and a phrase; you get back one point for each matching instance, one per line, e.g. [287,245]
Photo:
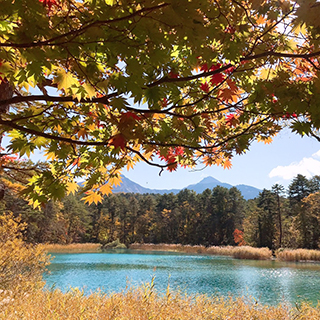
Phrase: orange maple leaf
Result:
[227,164]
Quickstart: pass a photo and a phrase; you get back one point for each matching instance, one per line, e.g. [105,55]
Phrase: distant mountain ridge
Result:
[128,186]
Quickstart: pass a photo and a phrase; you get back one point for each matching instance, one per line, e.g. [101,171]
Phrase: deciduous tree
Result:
[100,85]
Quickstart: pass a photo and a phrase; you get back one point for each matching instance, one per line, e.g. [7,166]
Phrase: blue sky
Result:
[261,167]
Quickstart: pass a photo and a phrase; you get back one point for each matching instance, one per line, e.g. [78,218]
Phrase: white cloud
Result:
[307,167]
[316,155]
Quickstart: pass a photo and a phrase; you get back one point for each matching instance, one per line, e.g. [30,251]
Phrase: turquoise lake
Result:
[269,282]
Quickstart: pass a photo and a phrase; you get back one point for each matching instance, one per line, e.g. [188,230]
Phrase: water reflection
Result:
[267,281]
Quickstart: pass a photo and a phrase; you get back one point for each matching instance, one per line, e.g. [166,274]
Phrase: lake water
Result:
[268,282]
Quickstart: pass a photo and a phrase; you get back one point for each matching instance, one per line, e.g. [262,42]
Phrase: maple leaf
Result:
[76,162]
[217,78]
[230,70]
[261,20]
[173,75]
[268,140]
[265,140]
[129,116]
[164,102]
[231,120]
[64,80]
[118,141]
[179,151]
[205,87]
[48,3]
[227,164]
[82,133]
[204,67]
[172,167]
[228,95]
[115,180]
[215,67]
[72,187]
[106,189]
[92,197]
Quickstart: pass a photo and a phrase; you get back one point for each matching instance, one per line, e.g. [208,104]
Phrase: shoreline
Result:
[238,252]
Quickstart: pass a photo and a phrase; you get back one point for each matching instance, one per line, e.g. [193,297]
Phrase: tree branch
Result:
[77,32]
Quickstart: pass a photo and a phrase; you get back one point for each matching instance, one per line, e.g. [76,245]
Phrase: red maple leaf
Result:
[231,120]
[205,87]
[48,3]
[129,116]
[229,70]
[215,67]
[173,75]
[118,141]
[179,151]
[216,78]
[204,67]
[164,102]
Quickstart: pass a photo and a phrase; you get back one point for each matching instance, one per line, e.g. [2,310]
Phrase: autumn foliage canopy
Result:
[102,84]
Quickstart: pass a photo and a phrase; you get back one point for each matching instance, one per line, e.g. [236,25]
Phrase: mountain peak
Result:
[128,186]
[208,179]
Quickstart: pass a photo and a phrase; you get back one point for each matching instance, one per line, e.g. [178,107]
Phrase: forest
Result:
[277,218]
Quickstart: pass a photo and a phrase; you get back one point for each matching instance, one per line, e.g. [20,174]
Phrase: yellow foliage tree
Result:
[21,264]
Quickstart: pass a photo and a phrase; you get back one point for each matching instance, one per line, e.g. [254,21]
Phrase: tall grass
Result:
[242,252]
[298,255]
[246,252]
[73,248]
[144,303]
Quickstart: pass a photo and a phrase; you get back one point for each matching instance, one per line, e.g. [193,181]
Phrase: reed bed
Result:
[221,251]
[242,252]
[144,303]
[73,248]
[298,255]
[247,252]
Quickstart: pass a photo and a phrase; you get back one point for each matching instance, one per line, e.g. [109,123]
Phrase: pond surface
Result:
[268,282]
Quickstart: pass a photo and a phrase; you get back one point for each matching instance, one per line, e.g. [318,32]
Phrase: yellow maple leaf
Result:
[72,187]
[106,188]
[50,155]
[115,181]
[92,197]
[64,79]
[148,155]
[90,90]
[267,73]
[92,126]
[58,128]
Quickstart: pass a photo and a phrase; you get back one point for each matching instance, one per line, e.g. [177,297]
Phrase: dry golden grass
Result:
[144,303]
[221,251]
[246,252]
[298,255]
[242,252]
[73,247]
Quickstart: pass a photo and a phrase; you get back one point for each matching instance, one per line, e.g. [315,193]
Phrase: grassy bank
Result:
[243,252]
[144,303]
[298,255]
[73,248]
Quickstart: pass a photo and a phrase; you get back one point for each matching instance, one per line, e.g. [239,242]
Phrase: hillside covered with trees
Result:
[276,218]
